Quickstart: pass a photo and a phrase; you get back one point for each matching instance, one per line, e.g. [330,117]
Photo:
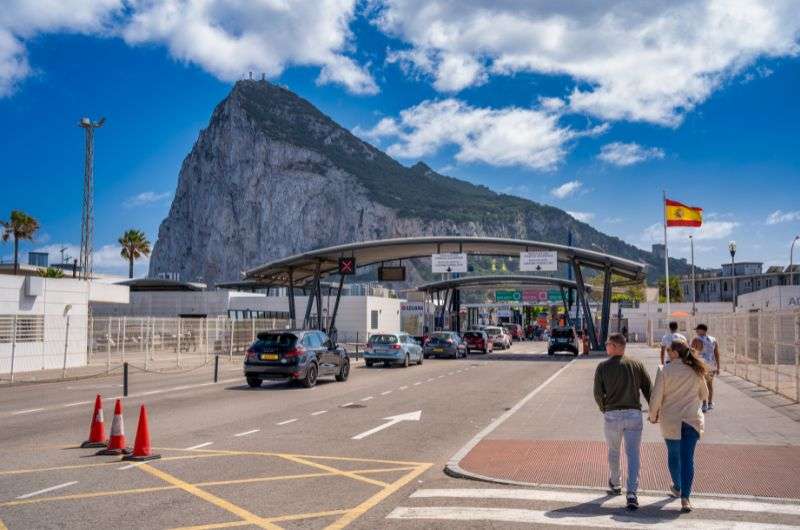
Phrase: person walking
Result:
[618,382]
[667,339]
[679,389]
[710,355]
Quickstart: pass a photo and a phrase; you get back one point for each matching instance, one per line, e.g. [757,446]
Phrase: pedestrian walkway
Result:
[555,439]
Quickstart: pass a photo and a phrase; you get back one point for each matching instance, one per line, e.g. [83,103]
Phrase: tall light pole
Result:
[87,219]
[732,250]
[694,292]
[791,260]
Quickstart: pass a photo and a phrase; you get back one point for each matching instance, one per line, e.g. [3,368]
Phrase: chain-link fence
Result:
[763,347]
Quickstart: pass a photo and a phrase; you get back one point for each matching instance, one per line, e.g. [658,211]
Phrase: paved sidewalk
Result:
[556,439]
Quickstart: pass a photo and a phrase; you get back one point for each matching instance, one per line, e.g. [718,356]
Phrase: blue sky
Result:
[595,123]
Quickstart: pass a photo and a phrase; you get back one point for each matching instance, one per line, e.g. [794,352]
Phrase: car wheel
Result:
[311,376]
[344,372]
[387,364]
[425,356]
[406,362]
[550,352]
[368,363]
[486,351]
[253,382]
[420,359]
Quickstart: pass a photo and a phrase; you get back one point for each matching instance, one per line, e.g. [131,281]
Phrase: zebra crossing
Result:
[586,509]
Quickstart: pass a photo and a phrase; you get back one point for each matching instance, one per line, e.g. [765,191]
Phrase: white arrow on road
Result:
[409,416]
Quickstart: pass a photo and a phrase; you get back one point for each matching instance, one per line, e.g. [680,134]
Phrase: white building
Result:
[770,299]
[34,316]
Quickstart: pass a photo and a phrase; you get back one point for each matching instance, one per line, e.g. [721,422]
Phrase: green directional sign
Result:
[507,296]
[554,295]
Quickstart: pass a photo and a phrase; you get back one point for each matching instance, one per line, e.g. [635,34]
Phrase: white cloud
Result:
[584,217]
[566,189]
[779,216]
[145,198]
[510,136]
[640,61]
[710,230]
[622,154]
[227,38]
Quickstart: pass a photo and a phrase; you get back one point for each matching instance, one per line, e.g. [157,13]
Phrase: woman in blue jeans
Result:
[678,394]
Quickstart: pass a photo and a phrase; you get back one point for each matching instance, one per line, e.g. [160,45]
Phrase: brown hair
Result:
[689,357]
[618,339]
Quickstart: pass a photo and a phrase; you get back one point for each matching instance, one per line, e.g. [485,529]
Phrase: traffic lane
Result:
[445,427]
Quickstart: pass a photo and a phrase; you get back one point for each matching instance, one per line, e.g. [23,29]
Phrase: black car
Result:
[294,355]
[445,344]
[563,339]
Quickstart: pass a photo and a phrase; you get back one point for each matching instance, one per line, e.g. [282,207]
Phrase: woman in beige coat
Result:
[678,394]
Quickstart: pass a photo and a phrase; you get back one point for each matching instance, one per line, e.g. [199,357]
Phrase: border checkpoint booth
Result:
[306,270]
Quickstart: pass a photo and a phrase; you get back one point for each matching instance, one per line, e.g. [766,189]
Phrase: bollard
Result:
[125,379]
[216,367]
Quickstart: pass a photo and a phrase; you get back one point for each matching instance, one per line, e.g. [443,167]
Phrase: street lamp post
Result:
[791,260]
[732,250]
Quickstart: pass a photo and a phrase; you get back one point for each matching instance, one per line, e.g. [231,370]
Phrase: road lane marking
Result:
[386,393]
[77,403]
[366,398]
[449,373]
[347,404]
[198,446]
[51,488]
[245,433]
[129,466]
[340,472]
[317,413]
[430,379]
[286,422]
[600,499]
[577,519]
[25,411]
[210,498]
[403,387]
[393,420]
[418,383]
[440,377]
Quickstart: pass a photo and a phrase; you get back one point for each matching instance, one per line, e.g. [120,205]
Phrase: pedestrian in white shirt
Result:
[671,336]
[710,355]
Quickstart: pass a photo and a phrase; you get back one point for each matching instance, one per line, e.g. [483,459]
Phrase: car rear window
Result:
[473,334]
[441,336]
[562,333]
[273,341]
[493,331]
[383,339]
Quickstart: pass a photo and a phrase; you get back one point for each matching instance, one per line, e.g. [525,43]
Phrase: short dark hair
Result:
[673,326]
[618,339]
[701,326]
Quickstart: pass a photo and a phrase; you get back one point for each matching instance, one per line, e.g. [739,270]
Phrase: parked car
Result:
[499,337]
[445,344]
[294,355]
[478,340]
[393,348]
[563,339]
[515,330]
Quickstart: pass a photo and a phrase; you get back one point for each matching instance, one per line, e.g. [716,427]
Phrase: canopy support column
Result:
[605,317]
[292,312]
[318,290]
[457,308]
[584,302]
[336,306]
[566,305]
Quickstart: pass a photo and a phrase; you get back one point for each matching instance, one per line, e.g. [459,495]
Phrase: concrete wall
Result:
[771,299]
[652,318]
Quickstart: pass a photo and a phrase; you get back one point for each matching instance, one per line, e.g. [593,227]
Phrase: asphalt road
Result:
[278,455]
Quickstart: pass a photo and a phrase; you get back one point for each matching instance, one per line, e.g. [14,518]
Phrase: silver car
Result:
[393,348]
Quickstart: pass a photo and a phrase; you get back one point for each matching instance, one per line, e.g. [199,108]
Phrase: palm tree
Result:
[20,226]
[134,246]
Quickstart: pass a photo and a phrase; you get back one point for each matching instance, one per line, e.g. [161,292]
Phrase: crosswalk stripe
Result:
[580,497]
[563,518]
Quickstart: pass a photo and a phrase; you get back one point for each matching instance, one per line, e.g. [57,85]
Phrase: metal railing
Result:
[762,347]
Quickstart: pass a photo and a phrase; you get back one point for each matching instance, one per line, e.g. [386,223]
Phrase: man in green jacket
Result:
[617,383]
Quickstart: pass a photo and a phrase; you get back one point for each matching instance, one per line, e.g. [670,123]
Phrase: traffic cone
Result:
[97,432]
[141,447]
[116,443]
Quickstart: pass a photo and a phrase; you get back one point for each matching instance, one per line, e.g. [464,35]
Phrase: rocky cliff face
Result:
[272,176]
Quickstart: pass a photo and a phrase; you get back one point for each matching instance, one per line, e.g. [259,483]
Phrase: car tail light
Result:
[251,354]
[449,341]
[297,351]
[396,347]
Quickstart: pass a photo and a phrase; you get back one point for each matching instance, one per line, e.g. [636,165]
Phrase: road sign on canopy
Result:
[451,262]
[538,261]
[507,296]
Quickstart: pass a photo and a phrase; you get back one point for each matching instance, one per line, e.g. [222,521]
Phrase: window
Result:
[30,328]
[373,319]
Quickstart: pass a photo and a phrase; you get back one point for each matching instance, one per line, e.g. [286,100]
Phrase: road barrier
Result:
[762,347]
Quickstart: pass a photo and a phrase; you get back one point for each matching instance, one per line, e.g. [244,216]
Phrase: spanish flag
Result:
[678,214]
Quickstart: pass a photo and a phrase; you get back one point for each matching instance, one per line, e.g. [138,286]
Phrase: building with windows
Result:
[747,277]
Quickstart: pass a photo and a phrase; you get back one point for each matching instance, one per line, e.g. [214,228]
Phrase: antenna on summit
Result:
[263,76]
[251,75]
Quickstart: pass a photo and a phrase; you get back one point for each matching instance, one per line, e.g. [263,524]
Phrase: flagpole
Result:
[694,286]
[666,253]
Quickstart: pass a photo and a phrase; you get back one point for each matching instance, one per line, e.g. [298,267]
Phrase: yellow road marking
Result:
[370,503]
[210,498]
[349,474]
[316,457]
[93,494]
[3,526]
[103,464]
[279,519]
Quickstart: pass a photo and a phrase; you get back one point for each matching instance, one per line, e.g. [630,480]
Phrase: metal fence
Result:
[763,347]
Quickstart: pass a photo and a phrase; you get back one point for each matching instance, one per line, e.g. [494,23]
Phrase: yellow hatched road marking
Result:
[349,474]
[278,519]
[210,498]
[316,457]
[210,454]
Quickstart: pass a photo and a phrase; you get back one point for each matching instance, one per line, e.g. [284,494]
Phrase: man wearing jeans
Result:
[617,383]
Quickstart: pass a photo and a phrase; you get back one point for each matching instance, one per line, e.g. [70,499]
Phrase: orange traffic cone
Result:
[97,432]
[141,447]
[116,443]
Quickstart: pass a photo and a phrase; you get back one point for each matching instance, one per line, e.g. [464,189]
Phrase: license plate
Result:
[269,356]
[438,350]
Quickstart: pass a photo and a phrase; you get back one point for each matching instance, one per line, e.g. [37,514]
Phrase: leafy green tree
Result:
[51,272]
[622,290]
[675,292]
[20,227]
[134,245]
